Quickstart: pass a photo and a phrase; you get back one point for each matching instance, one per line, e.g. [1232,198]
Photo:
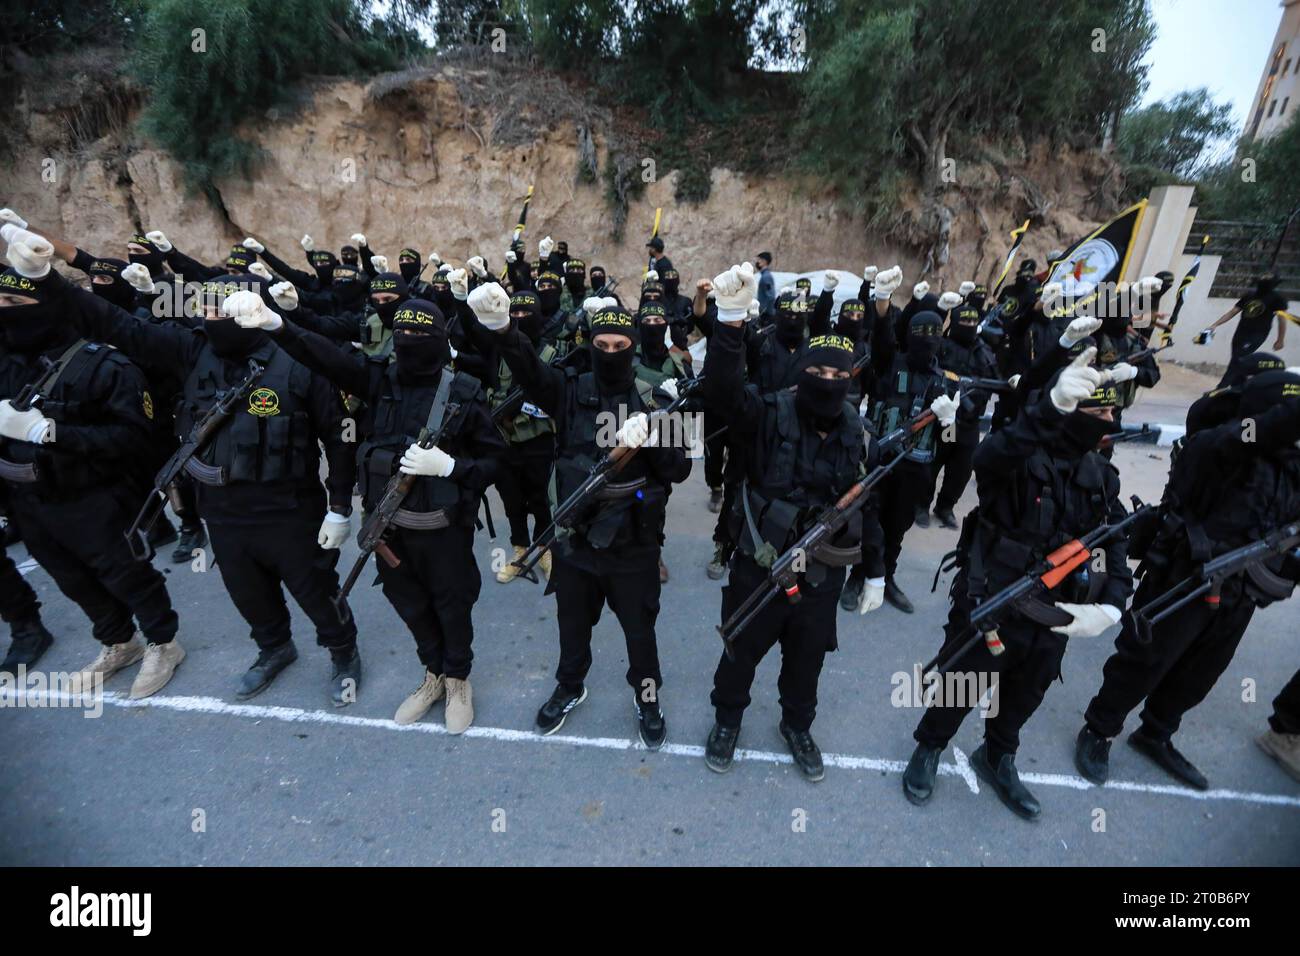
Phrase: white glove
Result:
[752,312]
[1089,619]
[634,431]
[546,247]
[945,408]
[920,289]
[430,462]
[1077,331]
[380,263]
[1148,285]
[492,306]
[250,312]
[254,246]
[259,269]
[159,240]
[28,253]
[949,300]
[285,295]
[1014,381]
[830,281]
[887,282]
[1122,372]
[593,304]
[435,259]
[30,425]
[869,273]
[734,290]
[458,279]
[477,266]
[650,276]
[966,288]
[306,243]
[873,595]
[443,269]
[359,238]
[510,255]
[669,387]
[1076,382]
[137,276]
[333,531]
[8,215]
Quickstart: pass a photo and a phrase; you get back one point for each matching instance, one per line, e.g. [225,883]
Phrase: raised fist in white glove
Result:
[30,425]
[458,279]
[380,263]
[359,239]
[1078,330]
[651,275]
[873,595]
[887,282]
[948,301]
[28,253]
[546,247]
[249,311]
[137,276]
[260,270]
[920,289]
[1076,382]
[435,259]
[253,245]
[593,304]
[830,281]
[734,290]
[285,295]
[669,387]
[1148,285]
[333,531]
[1122,372]
[477,266]
[966,288]
[306,243]
[1089,619]
[634,431]
[492,306]
[752,312]
[945,408]
[869,273]
[159,239]
[510,256]
[430,462]
[1014,381]
[8,215]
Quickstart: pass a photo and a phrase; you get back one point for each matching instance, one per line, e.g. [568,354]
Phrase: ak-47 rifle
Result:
[519,229]
[610,464]
[783,577]
[1025,594]
[1114,438]
[965,383]
[184,460]
[31,396]
[1209,578]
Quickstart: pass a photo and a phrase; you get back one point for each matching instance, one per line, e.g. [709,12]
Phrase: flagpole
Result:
[1017,236]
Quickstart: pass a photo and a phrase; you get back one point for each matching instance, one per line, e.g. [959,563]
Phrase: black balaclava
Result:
[598,277]
[227,338]
[1248,366]
[526,310]
[852,318]
[420,357]
[152,260]
[978,296]
[672,283]
[408,263]
[239,262]
[1166,283]
[791,319]
[388,282]
[927,303]
[443,297]
[651,291]
[323,263]
[654,344]
[820,401]
[575,279]
[548,293]
[30,329]
[804,286]
[117,290]
[923,335]
[350,256]
[1081,432]
[349,287]
[614,371]
[1266,284]
[1268,390]
[962,323]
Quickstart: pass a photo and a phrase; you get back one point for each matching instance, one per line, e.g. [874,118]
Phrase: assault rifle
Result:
[184,460]
[1208,579]
[783,577]
[1025,595]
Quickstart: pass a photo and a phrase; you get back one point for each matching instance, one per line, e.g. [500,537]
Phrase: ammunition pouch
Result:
[23,474]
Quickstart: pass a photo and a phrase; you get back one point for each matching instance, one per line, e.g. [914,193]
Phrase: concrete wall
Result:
[1278,91]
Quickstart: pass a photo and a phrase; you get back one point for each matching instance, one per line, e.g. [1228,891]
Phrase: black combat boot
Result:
[807,756]
[345,678]
[1005,782]
[922,516]
[946,518]
[650,723]
[918,778]
[895,596]
[190,539]
[265,669]
[852,593]
[31,640]
[551,717]
[720,748]
[1162,751]
[1092,755]
[715,500]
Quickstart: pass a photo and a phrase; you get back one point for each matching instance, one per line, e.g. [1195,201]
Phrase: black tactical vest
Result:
[906,394]
[777,367]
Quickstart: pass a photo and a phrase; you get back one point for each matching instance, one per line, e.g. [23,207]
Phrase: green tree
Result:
[1173,134]
[1258,184]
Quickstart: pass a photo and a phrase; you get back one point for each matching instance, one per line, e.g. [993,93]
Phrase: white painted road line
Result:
[295,715]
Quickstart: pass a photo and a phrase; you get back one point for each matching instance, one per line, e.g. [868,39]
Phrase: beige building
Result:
[1278,94]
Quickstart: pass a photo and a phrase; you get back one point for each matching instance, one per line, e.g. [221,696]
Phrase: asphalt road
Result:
[192,778]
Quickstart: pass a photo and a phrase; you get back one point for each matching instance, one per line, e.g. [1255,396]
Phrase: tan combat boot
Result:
[160,663]
[1284,748]
[545,564]
[510,572]
[421,699]
[460,705]
[113,657]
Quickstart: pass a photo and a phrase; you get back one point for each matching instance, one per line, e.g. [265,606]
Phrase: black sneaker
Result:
[918,778]
[715,500]
[1092,755]
[551,717]
[720,748]
[650,724]
[265,669]
[718,564]
[807,756]
[1162,751]
[345,679]
[190,539]
[1005,782]
[31,640]
[923,516]
[852,593]
[895,596]
[946,518]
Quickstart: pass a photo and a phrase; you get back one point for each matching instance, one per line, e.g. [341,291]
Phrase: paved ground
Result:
[289,780]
